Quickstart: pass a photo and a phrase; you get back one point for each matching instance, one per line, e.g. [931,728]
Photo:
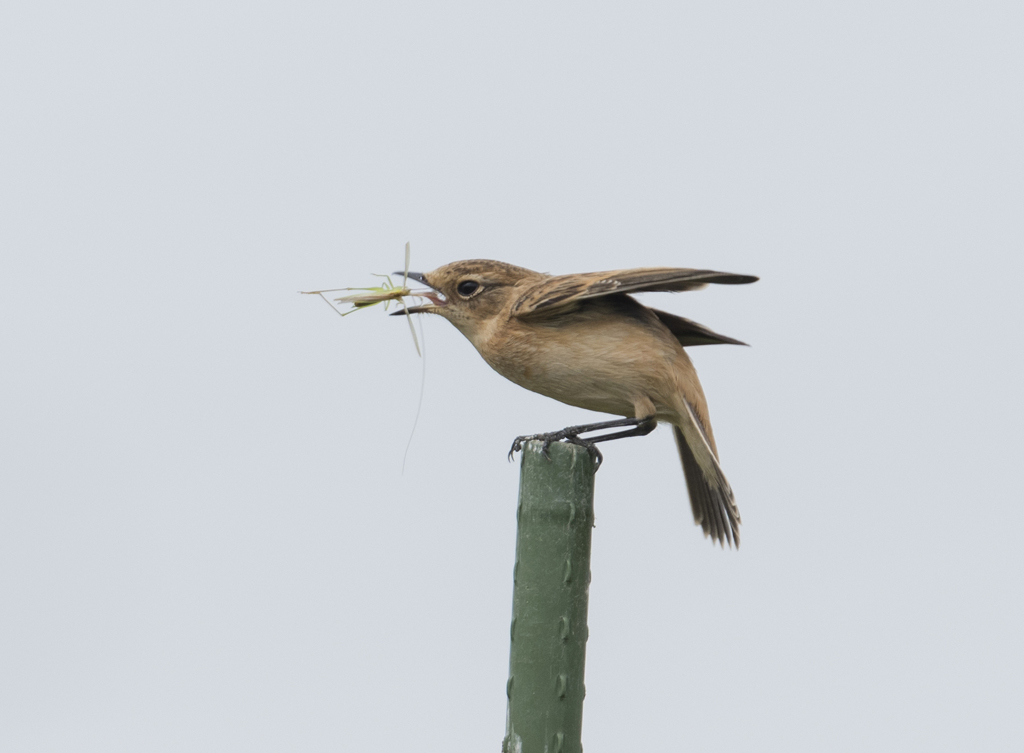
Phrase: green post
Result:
[551,581]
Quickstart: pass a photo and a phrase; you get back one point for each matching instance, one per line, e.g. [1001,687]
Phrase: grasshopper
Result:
[385,294]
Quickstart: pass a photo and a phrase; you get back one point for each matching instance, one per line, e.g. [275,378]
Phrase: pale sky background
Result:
[207,542]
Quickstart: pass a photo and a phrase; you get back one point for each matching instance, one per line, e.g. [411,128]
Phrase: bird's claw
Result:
[517,445]
[555,436]
[595,454]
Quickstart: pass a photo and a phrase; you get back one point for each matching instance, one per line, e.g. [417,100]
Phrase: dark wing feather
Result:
[562,292]
[690,333]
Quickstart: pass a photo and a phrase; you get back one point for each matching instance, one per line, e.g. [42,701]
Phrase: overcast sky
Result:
[207,541]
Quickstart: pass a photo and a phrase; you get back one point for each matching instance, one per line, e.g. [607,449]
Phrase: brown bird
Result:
[582,340]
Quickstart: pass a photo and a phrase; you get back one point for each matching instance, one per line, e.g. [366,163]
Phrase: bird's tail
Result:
[711,497]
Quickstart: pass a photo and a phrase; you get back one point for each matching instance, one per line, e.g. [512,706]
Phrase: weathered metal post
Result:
[551,582]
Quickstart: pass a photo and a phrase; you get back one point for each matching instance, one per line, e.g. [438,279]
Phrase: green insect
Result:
[385,294]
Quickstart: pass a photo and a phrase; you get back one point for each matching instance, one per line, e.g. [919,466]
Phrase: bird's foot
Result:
[571,436]
[595,454]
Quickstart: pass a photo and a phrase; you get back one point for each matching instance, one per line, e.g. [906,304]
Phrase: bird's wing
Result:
[556,293]
[689,333]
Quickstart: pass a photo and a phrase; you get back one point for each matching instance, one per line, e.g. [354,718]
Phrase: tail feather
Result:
[711,498]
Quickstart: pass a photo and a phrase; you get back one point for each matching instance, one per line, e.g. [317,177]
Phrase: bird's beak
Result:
[437,300]
[418,276]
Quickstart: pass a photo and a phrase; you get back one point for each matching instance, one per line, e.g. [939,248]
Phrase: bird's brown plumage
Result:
[582,340]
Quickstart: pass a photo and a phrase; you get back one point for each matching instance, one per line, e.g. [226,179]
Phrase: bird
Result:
[584,340]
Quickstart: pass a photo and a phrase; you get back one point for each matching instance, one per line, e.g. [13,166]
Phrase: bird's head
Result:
[470,294]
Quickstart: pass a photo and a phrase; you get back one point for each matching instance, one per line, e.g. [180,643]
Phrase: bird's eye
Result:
[466,288]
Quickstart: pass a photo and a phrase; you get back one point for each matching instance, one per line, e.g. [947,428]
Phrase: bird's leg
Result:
[641,427]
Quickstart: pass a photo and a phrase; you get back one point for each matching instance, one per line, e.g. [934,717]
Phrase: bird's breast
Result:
[591,360]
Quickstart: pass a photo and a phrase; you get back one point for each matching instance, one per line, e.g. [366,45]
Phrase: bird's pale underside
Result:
[583,340]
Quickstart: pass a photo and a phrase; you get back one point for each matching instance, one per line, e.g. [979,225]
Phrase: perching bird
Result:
[582,340]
